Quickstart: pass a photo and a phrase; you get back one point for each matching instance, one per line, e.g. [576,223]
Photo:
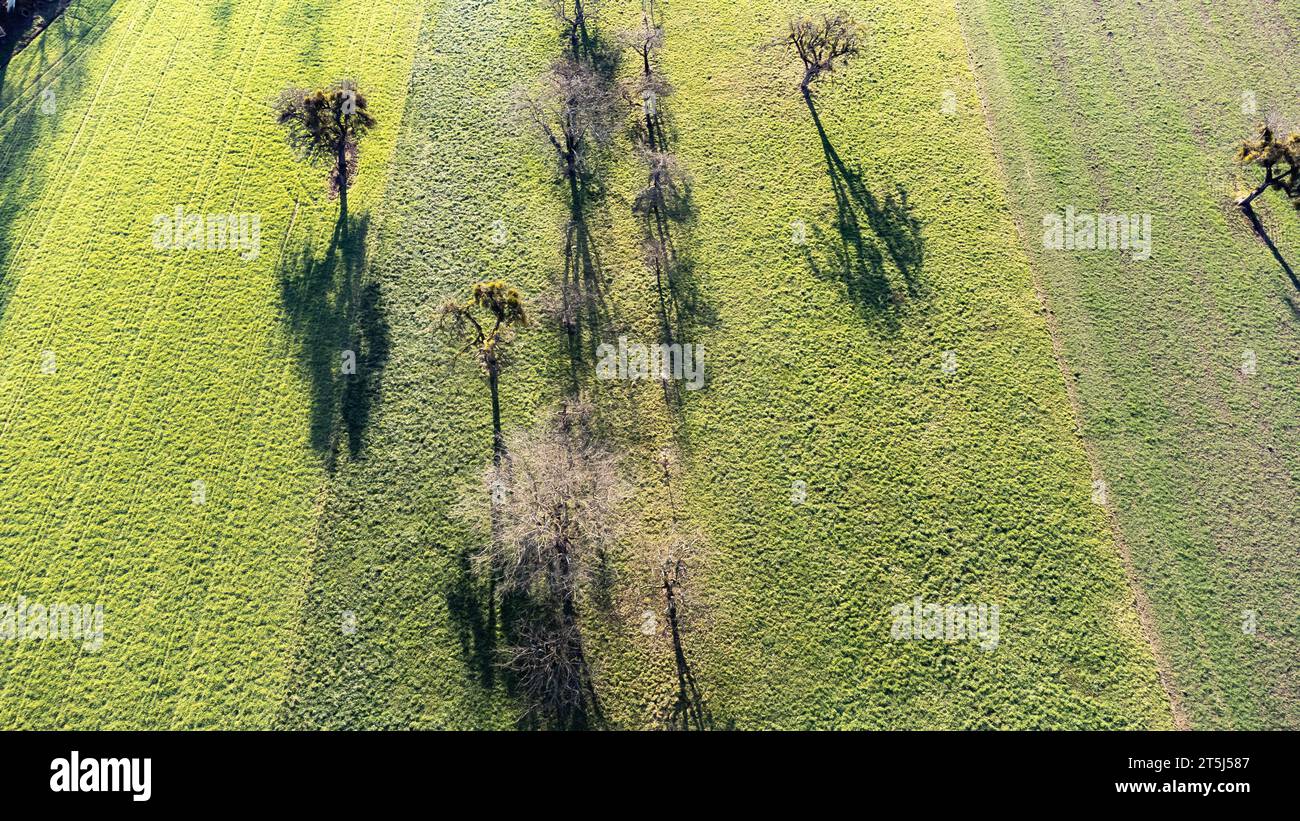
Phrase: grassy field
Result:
[905,396]
[166,368]
[964,487]
[1119,108]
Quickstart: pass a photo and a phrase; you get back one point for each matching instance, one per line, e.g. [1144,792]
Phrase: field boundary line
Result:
[1141,603]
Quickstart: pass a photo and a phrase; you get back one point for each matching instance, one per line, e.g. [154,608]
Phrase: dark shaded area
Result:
[689,711]
[586,43]
[221,12]
[546,665]
[26,118]
[1293,305]
[668,219]
[338,320]
[305,18]
[1258,226]
[682,309]
[473,614]
[583,312]
[682,306]
[474,609]
[856,258]
[22,25]
[544,628]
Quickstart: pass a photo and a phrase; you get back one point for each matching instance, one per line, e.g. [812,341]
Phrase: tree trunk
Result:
[575,193]
[1259,229]
[1246,203]
[498,440]
[342,159]
[580,17]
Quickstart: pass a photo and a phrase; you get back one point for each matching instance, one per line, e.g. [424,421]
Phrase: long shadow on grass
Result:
[544,637]
[682,309]
[547,662]
[1262,233]
[598,51]
[221,11]
[583,313]
[863,223]
[28,117]
[338,320]
[474,609]
[22,27]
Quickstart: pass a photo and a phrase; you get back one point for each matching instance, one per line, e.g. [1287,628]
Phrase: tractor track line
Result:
[1141,602]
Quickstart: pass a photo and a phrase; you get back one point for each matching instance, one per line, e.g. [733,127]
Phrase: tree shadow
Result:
[584,311]
[682,310]
[472,606]
[29,116]
[856,258]
[305,19]
[24,27]
[546,664]
[339,322]
[689,711]
[1258,226]
[654,128]
[221,12]
[1293,305]
[601,53]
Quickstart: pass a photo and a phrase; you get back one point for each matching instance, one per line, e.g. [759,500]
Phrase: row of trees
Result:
[576,108]
[555,490]
[664,203]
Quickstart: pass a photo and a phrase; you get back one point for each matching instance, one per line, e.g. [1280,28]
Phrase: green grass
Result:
[170,367]
[331,499]
[1122,108]
[965,488]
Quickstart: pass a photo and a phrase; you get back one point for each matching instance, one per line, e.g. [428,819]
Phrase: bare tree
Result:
[822,42]
[328,125]
[574,109]
[1280,160]
[666,188]
[649,87]
[560,491]
[672,576]
[553,511]
[645,41]
[505,311]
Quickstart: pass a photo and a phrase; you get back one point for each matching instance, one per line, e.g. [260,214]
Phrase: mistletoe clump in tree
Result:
[326,125]
[501,308]
[1280,161]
